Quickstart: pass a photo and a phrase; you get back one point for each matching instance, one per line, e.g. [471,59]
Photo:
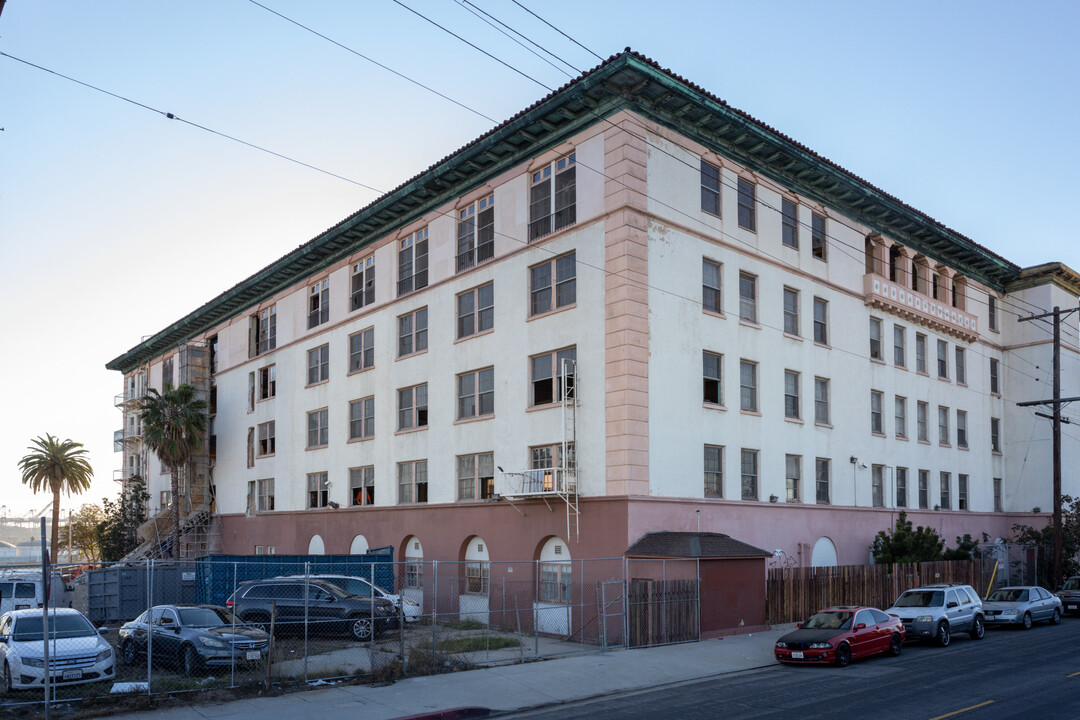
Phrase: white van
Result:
[26,591]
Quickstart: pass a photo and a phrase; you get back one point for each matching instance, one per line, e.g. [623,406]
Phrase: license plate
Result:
[1070,607]
[796,655]
[72,674]
[253,654]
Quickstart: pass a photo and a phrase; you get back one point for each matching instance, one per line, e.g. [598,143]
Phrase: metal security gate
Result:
[613,613]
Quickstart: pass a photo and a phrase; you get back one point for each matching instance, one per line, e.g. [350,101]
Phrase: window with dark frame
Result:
[267,439]
[749,466]
[791,311]
[318,428]
[821,401]
[714,471]
[362,350]
[546,373]
[712,366]
[920,353]
[476,476]
[946,491]
[412,482]
[997,495]
[901,487]
[413,407]
[318,364]
[362,485]
[412,332]
[476,233]
[877,421]
[267,382]
[995,435]
[961,366]
[362,418]
[793,473]
[899,343]
[553,284]
[476,310]
[818,237]
[710,188]
[962,492]
[553,197]
[747,205]
[900,419]
[318,303]
[821,320]
[875,339]
[476,394]
[711,286]
[363,284]
[263,331]
[748,386]
[266,495]
[924,489]
[318,490]
[821,480]
[943,359]
[748,297]
[922,421]
[943,425]
[789,223]
[961,429]
[995,378]
[877,485]
[791,395]
[413,262]
[991,306]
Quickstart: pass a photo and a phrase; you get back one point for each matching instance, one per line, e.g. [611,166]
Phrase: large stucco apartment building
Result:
[629,308]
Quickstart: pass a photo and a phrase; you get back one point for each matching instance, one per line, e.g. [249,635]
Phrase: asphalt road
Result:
[1034,675]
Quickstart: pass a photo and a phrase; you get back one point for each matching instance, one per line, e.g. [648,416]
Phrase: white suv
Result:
[937,611]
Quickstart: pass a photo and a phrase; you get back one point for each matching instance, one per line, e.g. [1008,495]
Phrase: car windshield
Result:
[921,598]
[832,620]
[1009,595]
[201,617]
[60,626]
[1072,583]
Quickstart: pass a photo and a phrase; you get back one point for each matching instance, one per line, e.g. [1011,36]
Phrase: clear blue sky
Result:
[116,221]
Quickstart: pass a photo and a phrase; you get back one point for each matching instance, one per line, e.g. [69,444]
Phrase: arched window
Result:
[959,292]
[920,275]
[315,546]
[898,265]
[824,554]
[359,545]
[555,572]
[414,562]
[477,567]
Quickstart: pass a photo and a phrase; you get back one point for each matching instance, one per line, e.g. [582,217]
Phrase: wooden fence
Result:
[663,611]
[795,593]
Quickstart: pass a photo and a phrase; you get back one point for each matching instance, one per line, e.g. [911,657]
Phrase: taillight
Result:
[228,603]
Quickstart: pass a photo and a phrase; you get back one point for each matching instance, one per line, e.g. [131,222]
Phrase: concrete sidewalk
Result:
[502,689]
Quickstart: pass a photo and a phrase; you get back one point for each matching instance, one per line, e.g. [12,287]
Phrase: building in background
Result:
[629,308]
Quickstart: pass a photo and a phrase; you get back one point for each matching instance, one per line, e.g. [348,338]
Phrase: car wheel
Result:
[843,655]
[1027,621]
[128,653]
[189,661]
[7,679]
[896,644]
[361,628]
[944,637]
[1055,619]
[978,630]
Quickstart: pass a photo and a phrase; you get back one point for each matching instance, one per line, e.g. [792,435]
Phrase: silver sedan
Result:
[1022,606]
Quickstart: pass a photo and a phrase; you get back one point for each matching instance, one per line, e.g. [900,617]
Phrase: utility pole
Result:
[1057,401]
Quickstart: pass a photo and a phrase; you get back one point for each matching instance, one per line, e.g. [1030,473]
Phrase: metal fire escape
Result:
[559,482]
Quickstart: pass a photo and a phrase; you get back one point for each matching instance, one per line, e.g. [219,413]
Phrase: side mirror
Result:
[860,626]
[798,625]
[102,630]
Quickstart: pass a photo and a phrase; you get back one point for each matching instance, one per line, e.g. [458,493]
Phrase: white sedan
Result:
[77,652]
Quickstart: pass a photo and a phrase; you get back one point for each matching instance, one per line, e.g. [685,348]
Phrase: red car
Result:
[840,634]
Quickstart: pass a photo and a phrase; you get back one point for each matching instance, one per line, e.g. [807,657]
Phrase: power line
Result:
[558,31]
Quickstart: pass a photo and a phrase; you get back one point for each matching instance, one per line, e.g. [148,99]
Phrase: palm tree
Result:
[173,426]
[56,465]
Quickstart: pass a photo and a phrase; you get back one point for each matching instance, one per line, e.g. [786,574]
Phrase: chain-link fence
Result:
[161,627]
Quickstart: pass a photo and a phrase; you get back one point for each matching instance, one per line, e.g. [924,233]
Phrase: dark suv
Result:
[325,608]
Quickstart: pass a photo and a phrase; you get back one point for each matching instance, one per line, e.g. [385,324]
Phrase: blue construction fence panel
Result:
[216,576]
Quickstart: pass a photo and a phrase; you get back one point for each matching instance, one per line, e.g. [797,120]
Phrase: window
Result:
[251,495]
[262,331]
[362,485]
[318,490]
[747,210]
[997,495]
[548,372]
[476,310]
[476,233]
[791,394]
[477,577]
[362,350]
[749,474]
[412,407]
[362,418]
[943,425]
[943,359]
[920,353]
[412,332]
[552,284]
[961,367]
[167,374]
[961,492]
[924,489]
[550,456]
[991,306]
[710,188]
[821,480]
[748,386]
[900,416]
[476,476]
[363,284]
[250,447]
[318,364]
[412,482]
[714,471]
[901,487]
[961,429]
[922,421]
[790,221]
[712,367]
[476,393]
[821,401]
[559,179]
[748,297]
[817,236]
[267,382]
[414,573]
[821,320]
[875,340]
[318,303]
[317,429]
[413,263]
[995,378]
[877,485]
[793,471]
[899,350]
[995,435]
[946,490]
[877,422]
[555,582]
[267,439]
[711,285]
[791,311]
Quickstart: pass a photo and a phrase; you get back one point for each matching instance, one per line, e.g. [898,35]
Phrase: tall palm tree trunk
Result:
[175,511]
[54,539]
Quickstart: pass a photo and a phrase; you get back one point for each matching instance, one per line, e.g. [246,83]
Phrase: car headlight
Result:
[211,642]
[925,618]
[820,646]
[33,662]
[103,655]
[410,603]
[1010,611]
[781,644]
